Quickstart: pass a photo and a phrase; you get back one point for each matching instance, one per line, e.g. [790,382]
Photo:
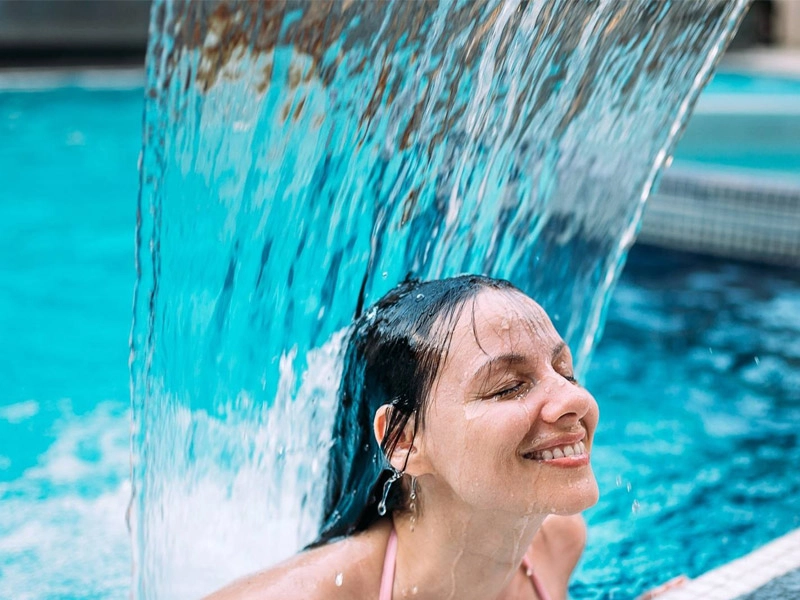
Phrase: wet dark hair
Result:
[393,355]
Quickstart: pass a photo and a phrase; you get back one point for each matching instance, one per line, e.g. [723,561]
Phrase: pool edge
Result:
[93,78]
[743,575]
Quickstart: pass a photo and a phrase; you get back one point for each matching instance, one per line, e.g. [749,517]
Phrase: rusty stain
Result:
[223,33]
[409,204]
[299,109]
[411,126]
[377,95]
[615,21]
[266,78]
[293,78]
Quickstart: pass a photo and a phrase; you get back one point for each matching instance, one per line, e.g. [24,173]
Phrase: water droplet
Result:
[420,296]
[755,358]
[385,274]
[414,590]
[529,572]
[619,481]
[382,504]
[339,579]
[628,486]
[710,351]
[635,507]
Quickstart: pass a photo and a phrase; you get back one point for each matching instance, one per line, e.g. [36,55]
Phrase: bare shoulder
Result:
[562,534]
[349,568]
[556,549]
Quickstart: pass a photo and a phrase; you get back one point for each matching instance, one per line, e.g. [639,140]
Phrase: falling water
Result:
[299,154]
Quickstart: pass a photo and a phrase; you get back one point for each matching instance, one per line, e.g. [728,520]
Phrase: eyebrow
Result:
[503,359]
[558,349]
[510,359]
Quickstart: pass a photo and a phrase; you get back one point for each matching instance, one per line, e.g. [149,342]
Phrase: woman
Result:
[461,460]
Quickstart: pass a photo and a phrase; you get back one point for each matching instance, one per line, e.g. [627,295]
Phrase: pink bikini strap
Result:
[537,584]
[387,577]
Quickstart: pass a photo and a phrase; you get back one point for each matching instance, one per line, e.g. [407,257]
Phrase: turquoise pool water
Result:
[697,378]
[746,124]
[67,210]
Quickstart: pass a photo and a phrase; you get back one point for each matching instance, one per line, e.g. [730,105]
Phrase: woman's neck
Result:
[447,550]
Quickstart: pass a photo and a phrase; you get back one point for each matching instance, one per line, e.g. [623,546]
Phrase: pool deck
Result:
[90,78]
[780,62]
[755,576]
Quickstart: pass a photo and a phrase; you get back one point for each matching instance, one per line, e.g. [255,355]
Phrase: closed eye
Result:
[509,391]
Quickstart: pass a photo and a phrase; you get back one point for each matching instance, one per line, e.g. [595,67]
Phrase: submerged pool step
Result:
[758,576]
[734,215]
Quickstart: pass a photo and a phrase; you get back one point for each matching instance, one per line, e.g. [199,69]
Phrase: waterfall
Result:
[298,154]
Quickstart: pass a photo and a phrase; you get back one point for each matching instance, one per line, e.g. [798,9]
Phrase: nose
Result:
[565,403]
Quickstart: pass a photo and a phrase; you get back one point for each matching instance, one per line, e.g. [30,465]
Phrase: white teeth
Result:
[576,449]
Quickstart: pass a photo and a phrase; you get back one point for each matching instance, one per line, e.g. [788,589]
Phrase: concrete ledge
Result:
[744,575]
[34,80]
[784,62]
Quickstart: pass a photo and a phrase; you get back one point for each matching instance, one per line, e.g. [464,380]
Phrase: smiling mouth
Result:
[578,449]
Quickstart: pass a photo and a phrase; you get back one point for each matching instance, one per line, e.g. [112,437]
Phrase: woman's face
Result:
[507,427]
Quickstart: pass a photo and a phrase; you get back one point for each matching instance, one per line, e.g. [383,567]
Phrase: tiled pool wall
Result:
[734,216]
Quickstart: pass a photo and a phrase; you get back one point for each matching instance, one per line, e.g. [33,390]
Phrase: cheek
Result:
[495,431]
[444,434]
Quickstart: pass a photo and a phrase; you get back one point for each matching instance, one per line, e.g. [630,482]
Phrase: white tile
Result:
[743,575]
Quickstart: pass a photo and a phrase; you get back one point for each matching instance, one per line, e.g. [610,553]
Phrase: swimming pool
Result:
[66,233]
[744,123]
[693,445]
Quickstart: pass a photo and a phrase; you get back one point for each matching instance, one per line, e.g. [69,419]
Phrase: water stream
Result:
[299,156]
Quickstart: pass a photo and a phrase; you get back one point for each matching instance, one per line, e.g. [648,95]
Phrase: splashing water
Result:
[301,155]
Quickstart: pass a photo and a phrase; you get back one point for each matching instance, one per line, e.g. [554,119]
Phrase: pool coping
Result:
[743,575]
[92,78]
[780,62]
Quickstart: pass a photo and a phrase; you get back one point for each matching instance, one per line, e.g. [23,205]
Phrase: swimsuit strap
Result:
[389,561]
[387,577]
[537,584]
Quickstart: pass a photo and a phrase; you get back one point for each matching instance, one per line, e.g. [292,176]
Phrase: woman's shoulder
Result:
[347,568]
[555,551]
[561,535]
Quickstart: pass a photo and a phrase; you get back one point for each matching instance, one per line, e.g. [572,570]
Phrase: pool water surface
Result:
[697,377]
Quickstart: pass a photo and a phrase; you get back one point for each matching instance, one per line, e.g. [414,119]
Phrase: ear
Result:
[406,454]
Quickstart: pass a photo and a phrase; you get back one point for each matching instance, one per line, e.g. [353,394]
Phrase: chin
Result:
[582,494]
